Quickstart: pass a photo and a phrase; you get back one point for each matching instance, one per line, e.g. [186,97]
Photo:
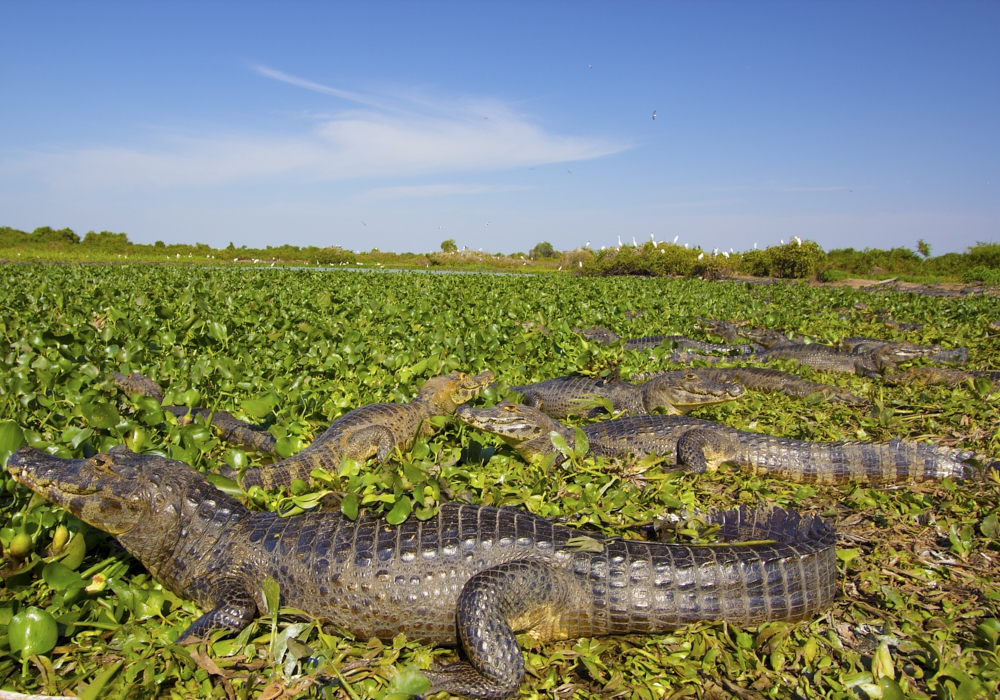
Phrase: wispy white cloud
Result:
[391,137]
[436,190]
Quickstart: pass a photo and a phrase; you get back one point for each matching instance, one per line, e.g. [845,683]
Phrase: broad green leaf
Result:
[287,446]
[100,415]
[11,438]
[60,577]
[257,408]
[408,681]
[349,506]
[400,512]
[32,631]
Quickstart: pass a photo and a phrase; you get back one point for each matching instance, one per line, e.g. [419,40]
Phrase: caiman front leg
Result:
[493,604]
[234,609]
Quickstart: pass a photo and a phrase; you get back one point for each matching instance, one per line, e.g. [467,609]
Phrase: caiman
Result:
[676,394]
[605,336]
[230,428]
[825,357]
[938,375]
[760,379]
[374,430]
[471,576]
[697,445]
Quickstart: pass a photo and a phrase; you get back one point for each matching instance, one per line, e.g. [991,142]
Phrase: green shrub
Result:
[988,276]
[984,255]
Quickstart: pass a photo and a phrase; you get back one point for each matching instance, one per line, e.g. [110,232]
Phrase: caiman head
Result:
[598,334]
[448,391]
[680,394]
[117,491]
[894,353]
[524,428]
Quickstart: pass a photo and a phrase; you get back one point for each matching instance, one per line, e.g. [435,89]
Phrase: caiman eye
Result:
[690,376]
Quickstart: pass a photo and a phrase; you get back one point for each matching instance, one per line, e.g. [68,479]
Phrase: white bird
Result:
[602,247]
[589,65]
[635,243]
[726,254]
[798,240]
[654,115]
[655,244]
[676,237]
[619,241]
[755,245]
[685,245]
[588,245]
[701,255]
[715,251]
[579,263]
[651,236]
[782,241]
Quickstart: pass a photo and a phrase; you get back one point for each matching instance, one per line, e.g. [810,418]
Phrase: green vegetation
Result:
[794,260]
[295,349]
[798,259]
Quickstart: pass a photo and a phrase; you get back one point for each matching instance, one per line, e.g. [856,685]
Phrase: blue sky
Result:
[398,125]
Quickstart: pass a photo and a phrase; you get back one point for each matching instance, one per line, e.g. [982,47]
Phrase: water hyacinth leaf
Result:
[32,631]
[559,442]
[256,408]
[407,682]
[349,506]
[100,415]
[400,512]
[60,577]
[11,439]
[218,331]
[72,556]
[289,445]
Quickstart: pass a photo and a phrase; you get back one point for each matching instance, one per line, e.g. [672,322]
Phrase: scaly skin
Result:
[471,575]
[374,430]
[230,428]
[937,375]
[762,379]
[826,357]
[605,336]
[676,394]
[699,445]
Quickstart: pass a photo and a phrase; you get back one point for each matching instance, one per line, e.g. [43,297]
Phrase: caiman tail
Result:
[800,461]
[631,586]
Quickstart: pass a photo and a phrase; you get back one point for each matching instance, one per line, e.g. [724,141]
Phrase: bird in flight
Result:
[654,115]
[363,223]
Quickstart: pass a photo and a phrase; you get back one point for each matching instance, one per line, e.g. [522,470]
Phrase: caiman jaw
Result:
[48,475]
[508,420]
[88,488]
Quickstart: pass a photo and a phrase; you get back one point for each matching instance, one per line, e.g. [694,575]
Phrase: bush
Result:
[984,255]
[542,250]
[334,256]
[449,246]
[789,261]
[988,276]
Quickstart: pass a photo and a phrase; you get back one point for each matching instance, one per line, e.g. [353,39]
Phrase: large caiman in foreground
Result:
[374,430]
[471,575]
[698,445]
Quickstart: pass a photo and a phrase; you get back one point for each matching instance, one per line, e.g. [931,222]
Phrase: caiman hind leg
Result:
[375,440]
[520,595]
[234,609]
[705,449]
